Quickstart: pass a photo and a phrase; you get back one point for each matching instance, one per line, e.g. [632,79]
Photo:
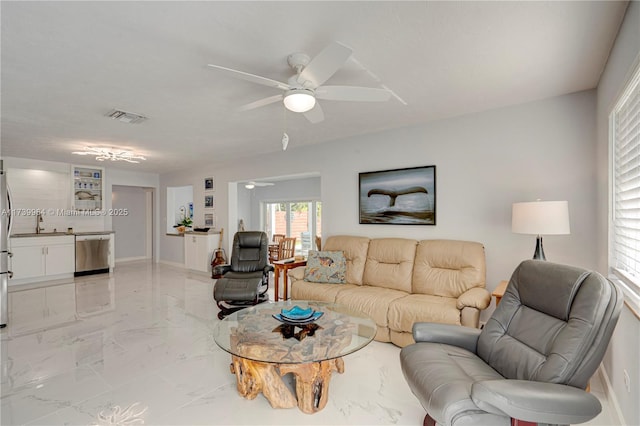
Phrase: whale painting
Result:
[399,197]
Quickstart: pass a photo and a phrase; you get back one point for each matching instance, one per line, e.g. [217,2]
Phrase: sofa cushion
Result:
[325,267]
[403,313]
[303,290]
[355,252]
[371,301]
[390,263]
[448,268]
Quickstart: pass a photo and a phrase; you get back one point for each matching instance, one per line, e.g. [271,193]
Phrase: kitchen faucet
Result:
[39,220]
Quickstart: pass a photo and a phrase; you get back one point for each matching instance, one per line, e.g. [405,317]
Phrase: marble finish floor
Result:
[137,348]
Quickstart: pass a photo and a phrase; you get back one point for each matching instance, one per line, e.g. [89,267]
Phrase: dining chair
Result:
[275,247]
[287,248]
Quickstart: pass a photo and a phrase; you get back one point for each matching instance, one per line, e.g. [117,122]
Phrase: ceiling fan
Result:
[303,88]
[253,184]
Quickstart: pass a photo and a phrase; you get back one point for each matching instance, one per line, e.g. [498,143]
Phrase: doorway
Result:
[133,225]
[300,219]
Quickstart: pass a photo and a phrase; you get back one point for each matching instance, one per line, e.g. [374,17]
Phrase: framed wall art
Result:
[398,197]
[208,184]
[208,201]
[208,220]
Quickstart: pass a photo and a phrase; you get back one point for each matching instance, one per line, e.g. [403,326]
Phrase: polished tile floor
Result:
[137,348]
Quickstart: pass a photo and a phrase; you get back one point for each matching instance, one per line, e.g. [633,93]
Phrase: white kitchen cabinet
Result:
[199,249]
[26,262]
[41,258]
[59,259]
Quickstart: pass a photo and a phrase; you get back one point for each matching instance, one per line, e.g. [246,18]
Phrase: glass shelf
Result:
[87,187]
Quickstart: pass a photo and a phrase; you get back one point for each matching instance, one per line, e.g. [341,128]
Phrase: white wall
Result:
[624,350]
[130,229]
[485,162]
[40,190]
[245,204]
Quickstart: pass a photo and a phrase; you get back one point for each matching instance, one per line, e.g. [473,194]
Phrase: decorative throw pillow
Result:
[326,267]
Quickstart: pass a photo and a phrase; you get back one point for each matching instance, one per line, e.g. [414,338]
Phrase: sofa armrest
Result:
[476,297]
[449,334]
[536,402]
[296,273]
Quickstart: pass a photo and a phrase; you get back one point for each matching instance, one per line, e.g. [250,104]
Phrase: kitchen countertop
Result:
[211,231]
[58,234]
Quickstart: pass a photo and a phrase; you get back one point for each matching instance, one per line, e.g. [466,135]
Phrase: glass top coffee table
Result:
[263,349]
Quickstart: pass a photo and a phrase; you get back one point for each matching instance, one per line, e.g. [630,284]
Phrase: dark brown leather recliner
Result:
[245,280]
[531,362]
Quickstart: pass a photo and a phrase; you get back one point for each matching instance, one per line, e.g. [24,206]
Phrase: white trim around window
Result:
[624,138]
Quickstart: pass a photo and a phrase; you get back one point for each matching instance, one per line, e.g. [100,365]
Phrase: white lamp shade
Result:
[540,218]
[299,100]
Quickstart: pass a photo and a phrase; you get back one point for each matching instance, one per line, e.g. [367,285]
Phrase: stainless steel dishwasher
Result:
[92,254]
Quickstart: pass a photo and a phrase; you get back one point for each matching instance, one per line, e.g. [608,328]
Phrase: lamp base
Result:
[539,253]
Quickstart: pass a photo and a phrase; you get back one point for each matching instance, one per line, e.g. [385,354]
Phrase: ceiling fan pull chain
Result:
[285,136]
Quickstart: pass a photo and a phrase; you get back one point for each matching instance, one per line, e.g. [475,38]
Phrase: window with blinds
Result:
[625,133]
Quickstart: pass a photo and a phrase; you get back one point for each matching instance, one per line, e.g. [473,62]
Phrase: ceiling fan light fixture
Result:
[299,100]
[250,186]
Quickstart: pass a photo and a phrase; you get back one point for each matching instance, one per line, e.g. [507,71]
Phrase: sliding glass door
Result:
[299,219]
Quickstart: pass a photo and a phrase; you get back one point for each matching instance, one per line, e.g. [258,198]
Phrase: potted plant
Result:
[185,223]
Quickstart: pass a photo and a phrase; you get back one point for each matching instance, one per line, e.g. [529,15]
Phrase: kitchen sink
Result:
[41,234]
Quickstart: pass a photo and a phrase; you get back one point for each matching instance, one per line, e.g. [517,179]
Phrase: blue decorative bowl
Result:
[297,313]
[301,322]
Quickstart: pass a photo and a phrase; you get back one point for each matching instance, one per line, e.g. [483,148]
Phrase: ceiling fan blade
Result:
[324,65]
[251,77]
[315,114]
[263,183]
[260,103]
[352,93]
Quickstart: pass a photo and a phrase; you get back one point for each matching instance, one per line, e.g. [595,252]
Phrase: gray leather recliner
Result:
[245,280]
[531,362]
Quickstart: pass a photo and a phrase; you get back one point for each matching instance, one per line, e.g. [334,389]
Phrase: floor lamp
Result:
[540,218]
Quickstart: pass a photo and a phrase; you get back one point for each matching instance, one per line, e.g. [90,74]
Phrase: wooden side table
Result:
[284,266]
[499,291]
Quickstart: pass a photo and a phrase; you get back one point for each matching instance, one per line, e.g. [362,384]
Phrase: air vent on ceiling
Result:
[126,117]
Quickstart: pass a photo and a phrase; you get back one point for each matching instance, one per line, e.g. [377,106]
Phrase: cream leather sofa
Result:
[398,282]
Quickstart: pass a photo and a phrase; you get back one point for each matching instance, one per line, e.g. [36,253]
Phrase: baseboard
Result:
[174,264]
[611,397]
[131,259]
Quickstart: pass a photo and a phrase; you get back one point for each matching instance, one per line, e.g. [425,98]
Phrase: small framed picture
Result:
[208,201]
[208,219]
[208,184]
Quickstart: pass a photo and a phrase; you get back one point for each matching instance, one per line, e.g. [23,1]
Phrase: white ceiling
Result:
[66,64]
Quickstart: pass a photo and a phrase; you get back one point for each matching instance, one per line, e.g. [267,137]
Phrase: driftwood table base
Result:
[311,381]
[291,363]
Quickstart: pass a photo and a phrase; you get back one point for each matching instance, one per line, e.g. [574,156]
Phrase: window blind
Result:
[625,121]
